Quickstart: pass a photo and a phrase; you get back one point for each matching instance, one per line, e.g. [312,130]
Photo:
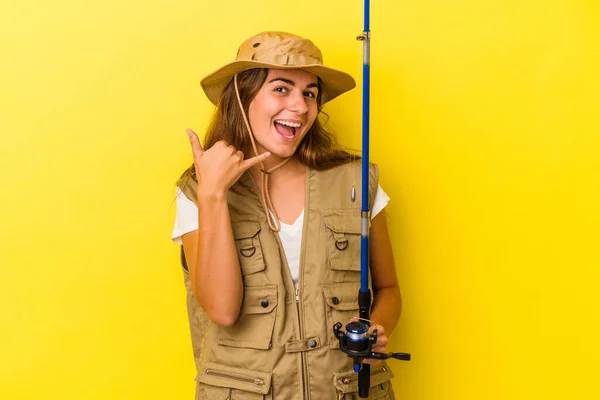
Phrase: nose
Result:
[297,103]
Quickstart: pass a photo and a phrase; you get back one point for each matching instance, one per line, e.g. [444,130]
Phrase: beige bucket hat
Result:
[279,50]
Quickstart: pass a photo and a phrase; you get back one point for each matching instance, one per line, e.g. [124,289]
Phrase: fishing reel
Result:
[358,344]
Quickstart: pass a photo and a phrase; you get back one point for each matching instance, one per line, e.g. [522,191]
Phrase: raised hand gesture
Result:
[219,167]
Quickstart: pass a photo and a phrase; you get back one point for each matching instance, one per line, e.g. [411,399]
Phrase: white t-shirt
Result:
[186,220]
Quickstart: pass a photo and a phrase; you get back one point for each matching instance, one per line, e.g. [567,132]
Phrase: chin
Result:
[283,154]
[282,151]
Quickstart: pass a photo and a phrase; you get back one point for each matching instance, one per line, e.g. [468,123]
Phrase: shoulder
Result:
[354,170]
[188,184]
[353,167]
[339,178]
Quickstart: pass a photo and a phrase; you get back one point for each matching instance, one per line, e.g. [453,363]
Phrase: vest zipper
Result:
[305,374]
[223,374]
[303,360]
[305,389]
[302,355]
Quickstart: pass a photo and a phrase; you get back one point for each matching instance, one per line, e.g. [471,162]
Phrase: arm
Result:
[387,303]
[215,275]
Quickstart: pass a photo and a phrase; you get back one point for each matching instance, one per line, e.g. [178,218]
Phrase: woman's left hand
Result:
[380,346]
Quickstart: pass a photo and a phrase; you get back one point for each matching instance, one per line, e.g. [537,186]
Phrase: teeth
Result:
[290,124]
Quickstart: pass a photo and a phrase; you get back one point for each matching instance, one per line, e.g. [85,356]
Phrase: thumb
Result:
[195,142]
[251,162]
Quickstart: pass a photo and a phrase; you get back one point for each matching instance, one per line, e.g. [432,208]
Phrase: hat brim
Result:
[334,82]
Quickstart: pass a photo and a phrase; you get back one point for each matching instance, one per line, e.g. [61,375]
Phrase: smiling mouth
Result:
[287,129]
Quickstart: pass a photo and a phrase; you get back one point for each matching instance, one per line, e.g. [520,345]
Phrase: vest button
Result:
[312,343]
[335,301]
[264,303]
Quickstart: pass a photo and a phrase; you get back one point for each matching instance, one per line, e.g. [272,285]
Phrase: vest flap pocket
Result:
[259,299]
[245,229]
[343,239]
[247,243]
[342,297]
[235,378]
[254,327]
[381,374]
[343,222]
[342,304]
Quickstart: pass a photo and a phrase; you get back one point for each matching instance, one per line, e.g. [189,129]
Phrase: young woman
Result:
[270,227]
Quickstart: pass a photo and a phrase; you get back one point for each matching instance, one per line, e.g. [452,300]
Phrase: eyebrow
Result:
[290,82]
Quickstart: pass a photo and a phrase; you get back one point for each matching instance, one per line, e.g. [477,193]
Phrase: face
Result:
[282,112]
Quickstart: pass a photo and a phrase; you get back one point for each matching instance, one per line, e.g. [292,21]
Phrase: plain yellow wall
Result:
[485,123]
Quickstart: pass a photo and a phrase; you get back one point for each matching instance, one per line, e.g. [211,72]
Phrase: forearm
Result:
[387,303]
[217,280]
[386,308]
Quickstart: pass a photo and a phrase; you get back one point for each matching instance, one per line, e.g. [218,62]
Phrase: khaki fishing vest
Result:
[282,345]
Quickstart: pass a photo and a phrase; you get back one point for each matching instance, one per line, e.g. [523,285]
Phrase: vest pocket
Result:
[221,382]
[341,304]
[248,247]
[254,326]
[346,384]
[343,240]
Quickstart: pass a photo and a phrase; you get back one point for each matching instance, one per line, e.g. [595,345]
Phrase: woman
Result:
[270,229]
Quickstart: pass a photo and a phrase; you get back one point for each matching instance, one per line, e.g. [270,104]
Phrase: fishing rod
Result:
[356,341]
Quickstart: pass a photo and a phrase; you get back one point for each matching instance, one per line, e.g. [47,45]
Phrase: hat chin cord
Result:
[266,199]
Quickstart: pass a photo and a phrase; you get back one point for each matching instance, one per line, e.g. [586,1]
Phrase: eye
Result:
[310,94]
[280,89]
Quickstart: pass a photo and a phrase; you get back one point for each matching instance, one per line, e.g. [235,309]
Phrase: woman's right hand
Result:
[219,167]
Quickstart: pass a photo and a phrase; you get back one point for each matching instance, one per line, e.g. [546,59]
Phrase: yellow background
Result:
[485,122]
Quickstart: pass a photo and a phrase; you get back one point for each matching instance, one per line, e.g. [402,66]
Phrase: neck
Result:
[292,167]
